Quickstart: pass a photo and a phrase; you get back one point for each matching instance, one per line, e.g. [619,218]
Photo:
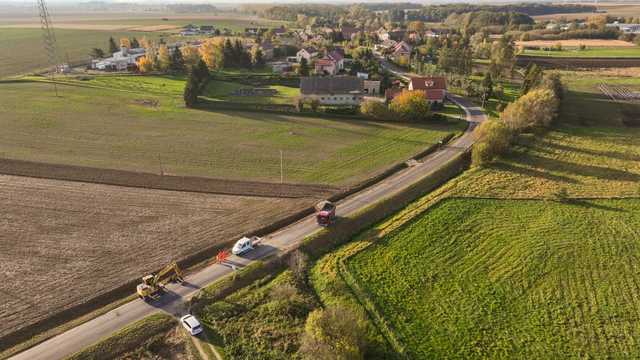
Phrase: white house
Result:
[120,61]
[308,53]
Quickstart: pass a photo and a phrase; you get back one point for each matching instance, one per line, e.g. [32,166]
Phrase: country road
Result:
[289,237]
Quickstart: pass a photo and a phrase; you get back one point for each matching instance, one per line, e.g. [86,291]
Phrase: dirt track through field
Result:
[166,182]
[62,243]
[577,63]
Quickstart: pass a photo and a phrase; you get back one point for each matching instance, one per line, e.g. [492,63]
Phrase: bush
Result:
[493,139]
[535,109]
[553,82]
[411,106]
[336,332]
[374,110]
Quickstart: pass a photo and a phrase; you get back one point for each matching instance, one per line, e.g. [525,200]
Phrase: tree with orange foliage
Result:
[411,106]
[124,42]
[164,58]
[190,55]
[145,65]
[211,53]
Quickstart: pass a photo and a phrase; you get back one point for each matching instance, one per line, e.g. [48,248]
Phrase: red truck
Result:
[325,213]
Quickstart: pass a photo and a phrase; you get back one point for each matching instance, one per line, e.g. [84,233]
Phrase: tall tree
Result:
[257,58]
[124,42]
[113,47]
[164,58]
[303,70]
[176,62]
[96,53]
[134,43]
[201,73]
[191,90]
[487,88]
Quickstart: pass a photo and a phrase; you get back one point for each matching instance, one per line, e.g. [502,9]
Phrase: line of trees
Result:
[536,108]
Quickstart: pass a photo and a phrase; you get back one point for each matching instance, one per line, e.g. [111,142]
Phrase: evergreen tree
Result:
[303,70]
[113,47]
[258,58]
[228,54]
[201,73]
[487,88]
[191,90]
[134,43]
[97,53]
[176,61]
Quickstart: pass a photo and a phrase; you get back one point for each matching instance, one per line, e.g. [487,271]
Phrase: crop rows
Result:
[511,278]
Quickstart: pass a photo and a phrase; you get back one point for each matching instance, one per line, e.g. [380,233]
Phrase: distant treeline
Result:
[191,8]
[290,12]
[437,13]
[433,13]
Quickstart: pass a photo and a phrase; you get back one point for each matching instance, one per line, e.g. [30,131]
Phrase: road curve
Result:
[78,338]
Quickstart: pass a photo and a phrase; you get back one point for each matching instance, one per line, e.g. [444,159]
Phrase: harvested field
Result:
[578,62]
[75,241]
[576,43]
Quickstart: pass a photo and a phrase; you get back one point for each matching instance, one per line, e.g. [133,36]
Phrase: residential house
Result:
[401,53]
[326,65]
[309,53]
[383,34]
[433,87]
[397,34]
[348,32]
[333,90]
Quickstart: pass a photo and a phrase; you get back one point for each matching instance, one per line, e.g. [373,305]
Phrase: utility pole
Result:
[49,40]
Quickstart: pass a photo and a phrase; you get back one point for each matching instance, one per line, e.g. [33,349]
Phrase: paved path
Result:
[172,302]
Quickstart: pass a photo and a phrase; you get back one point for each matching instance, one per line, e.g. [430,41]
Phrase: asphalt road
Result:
[172,302]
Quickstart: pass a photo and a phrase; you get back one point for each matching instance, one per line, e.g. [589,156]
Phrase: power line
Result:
[49,40]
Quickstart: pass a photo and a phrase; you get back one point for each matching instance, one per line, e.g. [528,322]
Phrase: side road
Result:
[285,239]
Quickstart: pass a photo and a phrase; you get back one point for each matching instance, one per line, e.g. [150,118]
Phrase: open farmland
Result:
[508,278]
[530,257]
[140,124]
[74,241]
[23,51]
[593,52]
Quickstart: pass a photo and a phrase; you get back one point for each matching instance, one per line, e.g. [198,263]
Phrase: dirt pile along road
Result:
[62,243]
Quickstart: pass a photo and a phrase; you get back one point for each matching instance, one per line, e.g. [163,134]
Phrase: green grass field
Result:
[478,278]
[24,52]
[140,124]
[594,52]
[508,261]
[223,90]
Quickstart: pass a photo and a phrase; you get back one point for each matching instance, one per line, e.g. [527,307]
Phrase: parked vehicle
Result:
[245,245]
[191,324]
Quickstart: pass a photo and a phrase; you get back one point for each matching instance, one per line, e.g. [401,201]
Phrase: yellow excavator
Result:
[152,285]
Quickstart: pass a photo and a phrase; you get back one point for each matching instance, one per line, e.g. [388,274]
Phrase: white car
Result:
[242,246]
[191,324]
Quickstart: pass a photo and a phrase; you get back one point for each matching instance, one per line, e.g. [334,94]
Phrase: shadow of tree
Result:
[527,171]
[593,205]
[600,172]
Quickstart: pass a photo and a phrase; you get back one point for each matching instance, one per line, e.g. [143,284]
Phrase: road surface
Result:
[289,237]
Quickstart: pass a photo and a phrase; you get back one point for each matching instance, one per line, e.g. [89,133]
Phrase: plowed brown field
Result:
[63,243]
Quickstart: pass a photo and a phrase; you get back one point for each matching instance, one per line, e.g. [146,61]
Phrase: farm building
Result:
[333,90]
[119,61]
